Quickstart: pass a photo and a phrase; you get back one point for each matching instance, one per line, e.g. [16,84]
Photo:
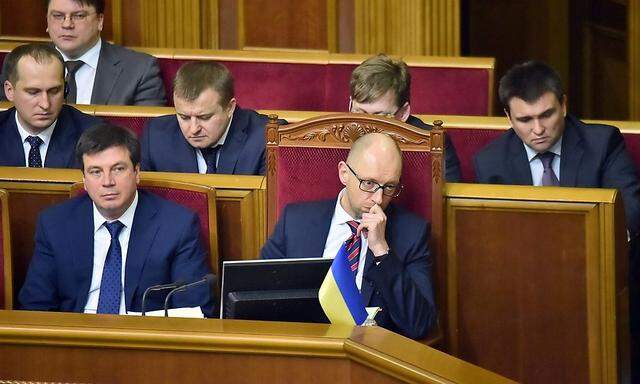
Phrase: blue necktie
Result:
[353,247]
[210,155]
[35,160]
[111,283]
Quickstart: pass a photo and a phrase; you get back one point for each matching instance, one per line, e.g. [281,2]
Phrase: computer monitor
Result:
[274,290]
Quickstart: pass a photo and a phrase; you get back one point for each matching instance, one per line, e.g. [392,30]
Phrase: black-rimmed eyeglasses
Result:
[391,190]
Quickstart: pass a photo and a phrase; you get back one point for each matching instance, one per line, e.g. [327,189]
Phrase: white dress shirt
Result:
[537,169]
[339,232]
[86,74]
[202,164]
[101,242]
[44,135]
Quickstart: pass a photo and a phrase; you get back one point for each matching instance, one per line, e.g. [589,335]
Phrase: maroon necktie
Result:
[549,177]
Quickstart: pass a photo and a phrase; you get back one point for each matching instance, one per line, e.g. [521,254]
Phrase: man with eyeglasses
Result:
[393,268]
[98,72]
[381,86]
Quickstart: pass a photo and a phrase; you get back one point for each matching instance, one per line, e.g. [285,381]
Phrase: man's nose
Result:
[538,128]
[44,101]
[377,196]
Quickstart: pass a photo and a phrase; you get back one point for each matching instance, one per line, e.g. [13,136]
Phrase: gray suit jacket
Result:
[123,77]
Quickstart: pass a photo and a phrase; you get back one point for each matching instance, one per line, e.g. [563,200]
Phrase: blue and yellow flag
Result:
[339,295]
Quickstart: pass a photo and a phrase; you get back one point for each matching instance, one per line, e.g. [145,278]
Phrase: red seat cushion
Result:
[308,174]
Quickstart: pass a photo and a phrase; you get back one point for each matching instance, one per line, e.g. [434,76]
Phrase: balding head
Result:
[374,157]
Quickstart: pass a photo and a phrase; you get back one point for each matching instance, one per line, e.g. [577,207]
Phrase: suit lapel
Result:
[81,246]
[233,143]
[143,233]
[518,163]
[185,155]
[11,148]
[60,148]
[320,224]
[107,74]
[571,157]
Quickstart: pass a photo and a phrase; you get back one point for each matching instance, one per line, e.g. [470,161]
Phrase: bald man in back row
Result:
[393,270]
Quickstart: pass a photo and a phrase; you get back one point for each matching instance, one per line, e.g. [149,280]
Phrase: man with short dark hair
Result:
[39,130]
[381,86]
[99,252]
[209,133]
[547,147]
[392,261]
[98,72]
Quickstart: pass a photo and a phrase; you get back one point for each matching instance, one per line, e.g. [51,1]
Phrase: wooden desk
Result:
[119,349]
[537,282]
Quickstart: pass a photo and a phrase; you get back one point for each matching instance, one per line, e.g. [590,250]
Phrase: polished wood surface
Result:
[240,202]
[5,244]
[537,282]
[104,348]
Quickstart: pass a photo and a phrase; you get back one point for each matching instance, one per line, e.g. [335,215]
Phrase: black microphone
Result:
[208,279]
[159,287]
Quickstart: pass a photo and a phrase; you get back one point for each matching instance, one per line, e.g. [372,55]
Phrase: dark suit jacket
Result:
[164,147]
[400,284]
[164,246]
[123,77]
[61,153]
[593,155]
[453,174]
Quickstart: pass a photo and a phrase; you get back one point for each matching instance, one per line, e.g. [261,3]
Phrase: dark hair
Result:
[97,4]
[529,81]
[41,53]
[104,136]
[194,78]
[376,76]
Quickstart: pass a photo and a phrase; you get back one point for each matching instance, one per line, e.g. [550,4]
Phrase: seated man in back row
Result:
[40,130]
[381,86]
[393,267]
[209,133]
[99,252]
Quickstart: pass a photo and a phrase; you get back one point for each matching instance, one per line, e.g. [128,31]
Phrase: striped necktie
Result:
[354,244]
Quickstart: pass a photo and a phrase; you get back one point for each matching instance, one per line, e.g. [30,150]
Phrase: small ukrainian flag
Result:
[339,295]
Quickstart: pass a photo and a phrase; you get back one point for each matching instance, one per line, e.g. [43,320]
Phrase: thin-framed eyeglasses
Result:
[391,115]
[391,190]
[76,17]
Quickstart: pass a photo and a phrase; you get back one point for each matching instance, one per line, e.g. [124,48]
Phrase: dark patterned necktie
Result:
[35,160]
[353,247]
[111,283]
[72,68]
[210,156]
[549,177]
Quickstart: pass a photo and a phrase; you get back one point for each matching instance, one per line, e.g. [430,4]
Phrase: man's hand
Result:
[373,225]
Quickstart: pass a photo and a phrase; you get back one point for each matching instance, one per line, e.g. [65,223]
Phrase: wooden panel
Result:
[418,27]
[300,24]
[171,23]
[28,18]
[633,12]
[537,282]
[124,349]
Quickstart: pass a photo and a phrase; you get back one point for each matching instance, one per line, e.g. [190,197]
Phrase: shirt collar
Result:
[341,216]
[45,135]
[126,218]
[555,148]
[90,57]
[223,138]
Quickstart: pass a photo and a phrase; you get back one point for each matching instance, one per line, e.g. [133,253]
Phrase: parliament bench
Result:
[320,81]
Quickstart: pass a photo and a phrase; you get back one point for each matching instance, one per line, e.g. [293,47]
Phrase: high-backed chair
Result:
[199,198]
[302,165]
[6,295]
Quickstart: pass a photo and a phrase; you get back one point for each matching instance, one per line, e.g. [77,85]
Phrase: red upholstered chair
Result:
[198,198]
[302,164]
[468,142]
[6,295]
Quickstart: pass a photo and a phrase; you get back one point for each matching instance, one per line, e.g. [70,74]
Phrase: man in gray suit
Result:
[98,72]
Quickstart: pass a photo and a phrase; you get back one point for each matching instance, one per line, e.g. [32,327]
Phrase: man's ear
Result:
[404,112]
[231,106]
[136,170]
[8,90]
[343,172]
[564,105]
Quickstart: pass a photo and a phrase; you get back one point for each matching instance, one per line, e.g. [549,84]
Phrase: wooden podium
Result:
[70,347]
[537,282]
